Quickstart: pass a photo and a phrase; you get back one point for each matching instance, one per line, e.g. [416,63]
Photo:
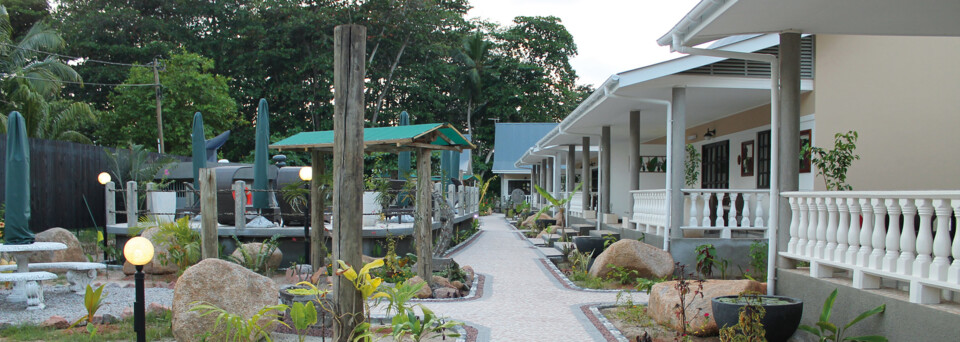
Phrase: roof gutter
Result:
[696,15]
[678,45]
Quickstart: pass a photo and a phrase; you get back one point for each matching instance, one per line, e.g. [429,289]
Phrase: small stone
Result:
[441,281]
[425,291]
[446,292]
[130,285]
[127,313]
[97,319]
[470,274]
[157,308]
[111,319]
[458,285]
[56,322]
[108,285]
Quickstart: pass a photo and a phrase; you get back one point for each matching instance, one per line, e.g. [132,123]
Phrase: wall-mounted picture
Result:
[653,164]
[806,138]
[746,159]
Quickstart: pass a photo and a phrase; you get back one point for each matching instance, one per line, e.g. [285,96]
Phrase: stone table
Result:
[22,253]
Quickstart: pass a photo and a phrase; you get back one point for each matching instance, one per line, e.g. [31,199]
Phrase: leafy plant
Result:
[827,331]
[399,295]
[832,165]
[705,259]
[645,284]
[749,327]
[238,328]
[684,288]
[181,242]
[758,258]
[608,240]
[453,273]
[419,329]
[691,166]
[92,301]
[257,262]
[579,261]
[556,203]
[303,316]
[484,186]
[621,274]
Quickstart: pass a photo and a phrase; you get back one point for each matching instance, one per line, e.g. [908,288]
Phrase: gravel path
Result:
[62,302]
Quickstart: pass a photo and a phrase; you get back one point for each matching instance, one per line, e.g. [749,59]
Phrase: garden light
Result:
[103,178]
[139,251]
[306,173]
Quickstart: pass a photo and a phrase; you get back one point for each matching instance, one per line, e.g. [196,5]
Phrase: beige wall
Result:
[902,95]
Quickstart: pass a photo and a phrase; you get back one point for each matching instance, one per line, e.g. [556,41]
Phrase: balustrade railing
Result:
[904,236]
[650,211]
[726,210]
[576,205]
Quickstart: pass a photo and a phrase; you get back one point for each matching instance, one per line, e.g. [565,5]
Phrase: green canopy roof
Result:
[385,139]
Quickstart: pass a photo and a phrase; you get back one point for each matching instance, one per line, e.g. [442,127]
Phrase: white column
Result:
[676,150]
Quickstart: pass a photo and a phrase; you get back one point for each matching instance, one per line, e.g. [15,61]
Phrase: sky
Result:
[611,35]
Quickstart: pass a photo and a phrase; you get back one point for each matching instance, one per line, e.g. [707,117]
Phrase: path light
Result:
[103,178]
[139,251]
[306,174]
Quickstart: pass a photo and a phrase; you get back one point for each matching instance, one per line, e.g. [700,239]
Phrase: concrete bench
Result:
[79,274]
[27,287]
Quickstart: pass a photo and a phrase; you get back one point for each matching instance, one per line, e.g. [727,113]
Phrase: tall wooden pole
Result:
[318,249]
[349,47]
[423,221]
[208,214]
[156,80]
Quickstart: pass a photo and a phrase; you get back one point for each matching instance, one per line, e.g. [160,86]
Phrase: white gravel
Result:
[62,302]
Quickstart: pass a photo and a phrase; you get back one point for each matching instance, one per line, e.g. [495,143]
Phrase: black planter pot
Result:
[589,244]
[780,321]
[324,319]
[544,223]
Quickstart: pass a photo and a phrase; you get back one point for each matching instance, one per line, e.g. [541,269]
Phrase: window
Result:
[715,169]
[763,159]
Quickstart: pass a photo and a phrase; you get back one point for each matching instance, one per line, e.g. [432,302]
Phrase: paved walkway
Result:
[522,301]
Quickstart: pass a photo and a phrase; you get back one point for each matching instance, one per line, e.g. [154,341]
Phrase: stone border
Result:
[476,292]
[569,284]
[606,328]
[467,333]
[459,247]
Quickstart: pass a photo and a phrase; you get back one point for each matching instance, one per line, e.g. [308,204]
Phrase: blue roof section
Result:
[512,140]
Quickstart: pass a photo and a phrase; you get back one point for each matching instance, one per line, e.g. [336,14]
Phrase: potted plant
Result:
[780,321]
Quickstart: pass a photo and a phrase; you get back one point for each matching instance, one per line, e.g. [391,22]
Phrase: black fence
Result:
[64,191]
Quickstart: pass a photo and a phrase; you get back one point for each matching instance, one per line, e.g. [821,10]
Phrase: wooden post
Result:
[423,223]
[349,48]
[240,205]
[208,214]
[318,247]
[131,204]
[111,203]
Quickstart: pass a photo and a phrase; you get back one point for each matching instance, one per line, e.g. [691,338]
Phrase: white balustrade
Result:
[576,205]
[878,235]
[728,214]
[650,211]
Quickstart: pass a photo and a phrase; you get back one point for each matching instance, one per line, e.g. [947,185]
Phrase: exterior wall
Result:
[901,95]
[504,177]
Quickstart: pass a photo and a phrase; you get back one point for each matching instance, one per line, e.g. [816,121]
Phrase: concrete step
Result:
[583,229]
[603,233]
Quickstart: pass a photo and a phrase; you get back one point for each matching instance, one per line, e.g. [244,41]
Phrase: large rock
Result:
[468,270]
[155,266]
[73,253]
[425,291]
[664,299]
[223,284]
[649,262]
[533,218]
[254,248]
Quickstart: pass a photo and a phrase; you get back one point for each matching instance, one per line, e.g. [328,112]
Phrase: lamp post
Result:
[306,174]
[103,178]
[139,251]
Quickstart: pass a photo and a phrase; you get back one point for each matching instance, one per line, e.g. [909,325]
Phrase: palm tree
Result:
[30,82]
[473,55]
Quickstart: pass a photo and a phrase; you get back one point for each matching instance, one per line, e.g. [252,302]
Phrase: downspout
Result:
[774,208]
[669,105]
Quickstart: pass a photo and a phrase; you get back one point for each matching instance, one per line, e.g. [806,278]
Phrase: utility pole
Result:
[156,80]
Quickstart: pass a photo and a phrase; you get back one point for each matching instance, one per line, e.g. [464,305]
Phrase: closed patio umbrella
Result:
[17,182]
[403,159]
[199,149]
[260,159]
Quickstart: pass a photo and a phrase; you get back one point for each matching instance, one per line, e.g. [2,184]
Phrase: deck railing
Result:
[726,210]
[650,211]
[903,236]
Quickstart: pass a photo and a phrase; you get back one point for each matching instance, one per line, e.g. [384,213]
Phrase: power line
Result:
[87,83]
[85,59]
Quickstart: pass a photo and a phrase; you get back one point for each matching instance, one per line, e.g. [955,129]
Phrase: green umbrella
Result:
[261,158]
[199,149]
[403,160]
[17,181]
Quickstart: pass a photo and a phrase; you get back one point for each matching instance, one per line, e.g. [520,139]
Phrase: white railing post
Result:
[879,234]
[908,239]
[821,228]
[853,235]
[921,266]
[941,242]
[694,221]
[745,219]
[811,226]
[131,204]
[893,236]
[842,227]
[794,223]
[953,273]
[110,205]
[866,232]
[732,214]
[759,221]
[706,210]
[831,228]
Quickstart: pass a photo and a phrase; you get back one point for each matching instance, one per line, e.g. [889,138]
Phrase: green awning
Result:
[385,139]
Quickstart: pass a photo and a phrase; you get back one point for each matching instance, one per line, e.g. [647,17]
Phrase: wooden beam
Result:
[435,147]
[318,246]
[208,214]
[423,221]
[349,49]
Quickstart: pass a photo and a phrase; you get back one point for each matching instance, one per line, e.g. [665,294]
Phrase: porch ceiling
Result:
[715,19]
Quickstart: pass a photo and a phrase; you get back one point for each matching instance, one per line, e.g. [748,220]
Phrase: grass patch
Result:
[158,327]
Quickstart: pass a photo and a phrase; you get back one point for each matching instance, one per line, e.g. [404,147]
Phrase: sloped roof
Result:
[385,139]
[511,140]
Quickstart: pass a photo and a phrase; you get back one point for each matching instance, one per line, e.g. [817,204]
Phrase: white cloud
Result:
[611,35]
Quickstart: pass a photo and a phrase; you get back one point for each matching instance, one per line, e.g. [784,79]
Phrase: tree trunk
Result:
[386,85]
[423,221]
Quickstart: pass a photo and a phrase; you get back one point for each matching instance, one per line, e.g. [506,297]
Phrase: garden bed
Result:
[629,322]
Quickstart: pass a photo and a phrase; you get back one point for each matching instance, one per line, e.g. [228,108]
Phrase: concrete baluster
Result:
[921,266]
[941,242]
[745,219]
[831,228]
[863,256]
[842,227]
[953,273]
[694,221]
[853,235]
[908,238]
[706,209]
[879,234]
[812,226]
[794,222]
[893,236]
[802,227]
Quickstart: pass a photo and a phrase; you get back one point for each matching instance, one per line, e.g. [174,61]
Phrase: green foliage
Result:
[256,262]
[453,273]
[827,331]
[399,295]
[645,284]
[134,163]
[418,329]
[622,274]
[190,85]
[758,258]
[92,301]
[158,328]
[706,255]
[749,327]
[691,166]
[182,244]
[608,240]
[833,164]
[237,327]
[303,316]
[555,203]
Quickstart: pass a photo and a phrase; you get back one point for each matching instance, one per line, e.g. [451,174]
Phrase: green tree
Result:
[31,83]
[189,86]
[23,13]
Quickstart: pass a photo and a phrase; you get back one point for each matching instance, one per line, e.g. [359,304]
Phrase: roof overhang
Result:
[715,19]
[384,139]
